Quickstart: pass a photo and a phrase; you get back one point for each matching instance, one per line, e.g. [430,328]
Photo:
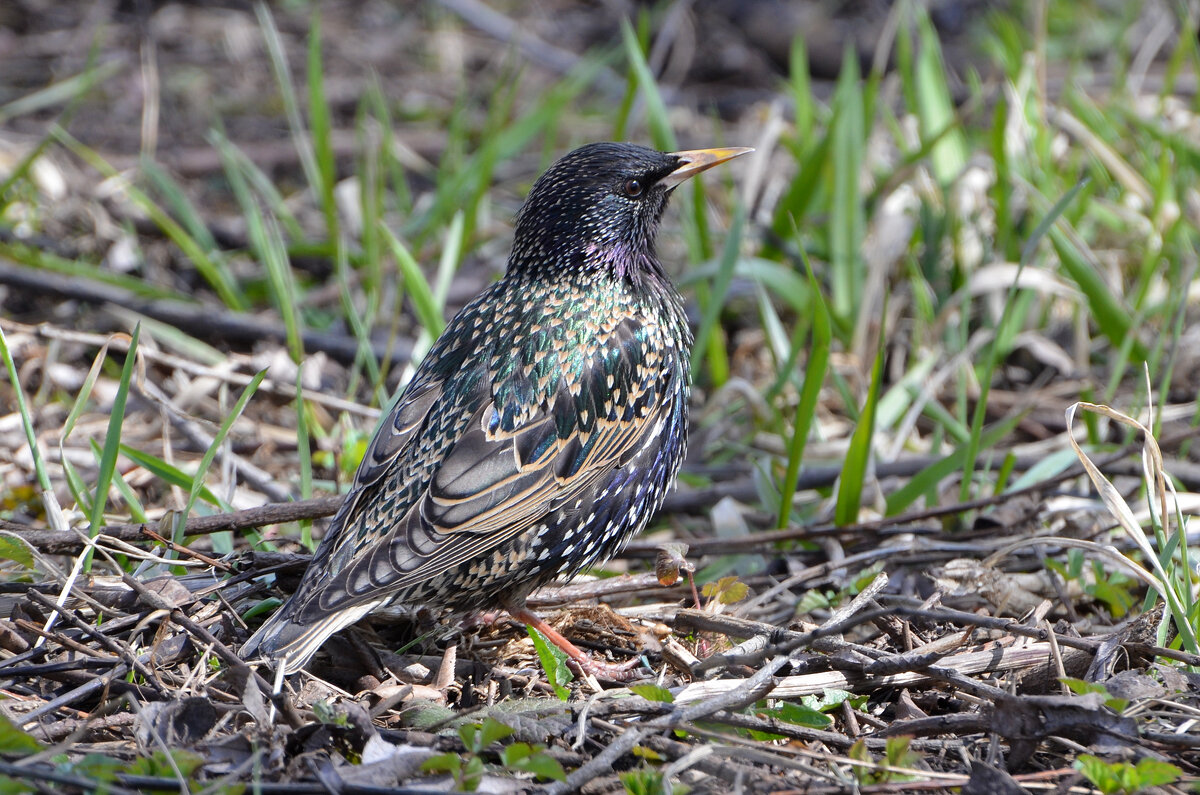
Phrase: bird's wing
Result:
[518,452]
[394,436]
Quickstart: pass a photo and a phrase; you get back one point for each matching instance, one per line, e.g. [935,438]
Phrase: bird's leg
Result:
[619,672]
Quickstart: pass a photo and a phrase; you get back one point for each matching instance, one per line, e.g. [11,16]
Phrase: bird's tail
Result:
[290,643]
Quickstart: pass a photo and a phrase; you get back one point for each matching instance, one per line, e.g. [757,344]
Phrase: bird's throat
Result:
[625,262]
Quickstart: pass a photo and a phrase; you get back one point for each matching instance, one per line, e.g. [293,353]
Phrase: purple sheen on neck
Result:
[621,259]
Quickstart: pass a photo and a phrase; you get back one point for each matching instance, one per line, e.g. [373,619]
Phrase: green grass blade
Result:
[270,247]
[462,182]
[783,282]
[371,199]
[804,191]
[360,321]
[76,89]
[266,240]
[77,486]
[935,109]
[137,513]
[75,483]
[1051,466]
[304,451]
[219,439]
[20,171]
[1112,318]
[36,258]
[173,339]
[452,254]
[416,285]
[846,220]
[81,398]
[656,110]
[625,109]
[39,463]
[64,91]
[447,264]
[806,409]
[394,175]
[858,454]
[134,505]
[112,443]
[800,84]
[256,180]
[181,206]
[322,129]
[775,335]
[173,475]
[716,298]
[287,93]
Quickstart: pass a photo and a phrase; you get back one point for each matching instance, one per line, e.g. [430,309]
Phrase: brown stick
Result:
[200,321]
[63,543]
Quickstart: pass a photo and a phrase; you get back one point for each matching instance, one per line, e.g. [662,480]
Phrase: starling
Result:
[541,431]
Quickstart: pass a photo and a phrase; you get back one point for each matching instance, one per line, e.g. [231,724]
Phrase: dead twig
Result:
[65,543]
[752,689]
[202,322]
[95,634]
[241,671]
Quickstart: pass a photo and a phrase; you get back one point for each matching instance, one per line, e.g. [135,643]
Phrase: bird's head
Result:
[599,207]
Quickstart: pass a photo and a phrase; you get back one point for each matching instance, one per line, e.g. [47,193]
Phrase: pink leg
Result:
[619,672]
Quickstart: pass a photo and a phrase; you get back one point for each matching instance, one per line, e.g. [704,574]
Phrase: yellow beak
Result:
[697,160]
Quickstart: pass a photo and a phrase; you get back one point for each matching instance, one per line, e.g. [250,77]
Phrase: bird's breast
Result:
[582,354]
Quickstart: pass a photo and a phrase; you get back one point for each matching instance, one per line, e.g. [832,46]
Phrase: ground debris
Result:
[952,648]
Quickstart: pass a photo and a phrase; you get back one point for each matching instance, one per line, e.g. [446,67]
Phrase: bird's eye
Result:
[633,188]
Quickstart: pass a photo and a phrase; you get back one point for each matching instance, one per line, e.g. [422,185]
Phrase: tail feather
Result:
[291,645]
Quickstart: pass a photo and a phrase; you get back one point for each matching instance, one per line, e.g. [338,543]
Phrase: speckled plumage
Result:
[541,431]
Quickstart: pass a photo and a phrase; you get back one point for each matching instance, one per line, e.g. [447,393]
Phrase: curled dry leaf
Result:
[670,561]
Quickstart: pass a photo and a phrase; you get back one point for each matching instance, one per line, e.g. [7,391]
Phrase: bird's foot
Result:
[617,672]
[580,661]
[480,619]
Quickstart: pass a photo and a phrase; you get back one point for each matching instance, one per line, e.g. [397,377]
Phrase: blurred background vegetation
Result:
[961,218]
